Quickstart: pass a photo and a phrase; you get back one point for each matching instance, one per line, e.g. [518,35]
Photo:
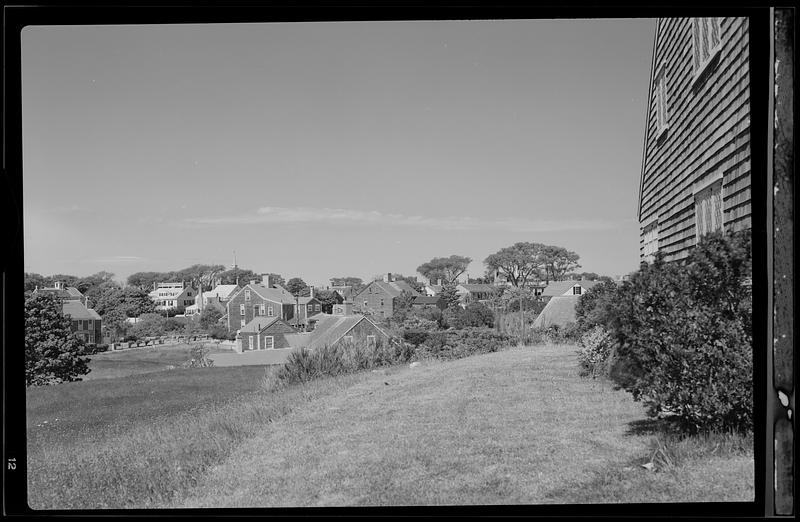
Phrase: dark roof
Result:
[271,294]
[77,311]
[427,299]
[258,323]
[559,310]
[328,330]
[393,289]
[560,287]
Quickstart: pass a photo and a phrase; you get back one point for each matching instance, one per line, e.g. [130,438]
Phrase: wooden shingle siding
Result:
[708,134]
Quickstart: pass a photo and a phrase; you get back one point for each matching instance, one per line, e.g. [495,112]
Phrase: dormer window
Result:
[576,290]
[706,43]
[247,294]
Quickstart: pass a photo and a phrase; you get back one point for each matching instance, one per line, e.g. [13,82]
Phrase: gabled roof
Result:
[221,291]
[307,299]
[436,288]
[559,310]
[560,287]
[393,289]
[328,330]
[77,311]
[258,323]
[69,292]
[270,294]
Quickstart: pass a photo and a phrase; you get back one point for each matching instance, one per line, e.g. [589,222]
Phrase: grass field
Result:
[147,359]
[517,426]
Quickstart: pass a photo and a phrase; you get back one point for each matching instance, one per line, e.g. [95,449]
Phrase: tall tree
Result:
[518,262]
[145,280]
[296,285]
[238,276]
[450,296]
[53,353]
[327,299]
[445,268]
[34,280]
[558,261]
[84,284]
[356,283]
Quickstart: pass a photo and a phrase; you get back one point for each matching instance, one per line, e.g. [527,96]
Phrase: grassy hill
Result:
[517,426]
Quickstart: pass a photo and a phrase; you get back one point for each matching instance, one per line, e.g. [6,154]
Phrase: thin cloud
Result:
[339,216]
[118,259]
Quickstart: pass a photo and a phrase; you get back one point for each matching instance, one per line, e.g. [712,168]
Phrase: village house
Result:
[566,288]
[263,333]
[422,302]
[86,323]
[259,300]
[172,296]
[378,298]
[342,326]
[214,298]
[475,292]
[306,307]
[695,175]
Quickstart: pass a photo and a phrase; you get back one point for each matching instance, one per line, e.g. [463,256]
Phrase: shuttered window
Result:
[662,114]
[706,42]
[269,342]
[708,210]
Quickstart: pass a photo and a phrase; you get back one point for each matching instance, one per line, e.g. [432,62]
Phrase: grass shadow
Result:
[647,427]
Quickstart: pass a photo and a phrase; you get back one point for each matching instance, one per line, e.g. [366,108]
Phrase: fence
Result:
[168,341]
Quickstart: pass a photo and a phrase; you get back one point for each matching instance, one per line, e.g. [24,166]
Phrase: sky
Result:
[320,150]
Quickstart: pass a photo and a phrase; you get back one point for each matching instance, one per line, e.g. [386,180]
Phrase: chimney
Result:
[155,287]
[439,282]
[59,285]
[311,289]
[266,280]
[387,278]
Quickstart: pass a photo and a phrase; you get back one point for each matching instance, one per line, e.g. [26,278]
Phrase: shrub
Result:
[199,357]
[456,344]
[343,357]
[684,336]
[53,353]
[595,306]
[474,315]
[594,352]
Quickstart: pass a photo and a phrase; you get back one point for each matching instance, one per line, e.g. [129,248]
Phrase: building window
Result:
[662,120]
[576,290]
[310,308]
[708,210]
[650,239]
[706,42]
[269,342]
[250,341]
[381,302]
[247,294]
[371,339]
[270,311]
[243,323]
[261,307]
[317,307]
[348,338]
[241,309]
[366,304]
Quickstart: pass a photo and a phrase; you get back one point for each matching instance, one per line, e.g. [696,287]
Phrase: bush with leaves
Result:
[595,349]
[684,335]
[53,353]
[595,306]
[198,357]
[456,344]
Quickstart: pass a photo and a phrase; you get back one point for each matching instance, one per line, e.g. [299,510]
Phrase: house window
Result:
[317,308]
[241,309]
[261,307]
[247,294]
[381,302]
[366,304]
[650,238]
[708,210]
[269,342]
[243,323]
[371,339]
[310,308]
[348,338]
[662,121]
[706,42]
[270,311]
[250,341]
[576,290]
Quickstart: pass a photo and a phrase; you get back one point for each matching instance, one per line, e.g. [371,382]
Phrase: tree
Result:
[86,283]
[149,325]
[53,353]
[198,275]
[209,318]
[558,261]
[445,268]
[519,262]
[135,302]
[296,285]
[34,280]
[475,314]
[450,296]
[238,276]
[145,280]
[327,299]
[105,297]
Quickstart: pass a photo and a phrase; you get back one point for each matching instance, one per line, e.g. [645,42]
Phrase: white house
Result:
[176,296]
